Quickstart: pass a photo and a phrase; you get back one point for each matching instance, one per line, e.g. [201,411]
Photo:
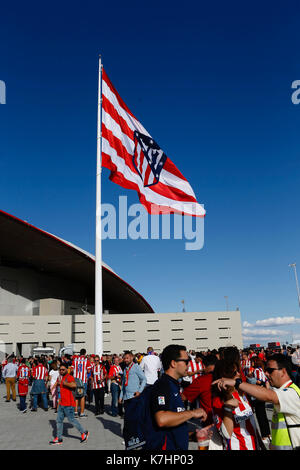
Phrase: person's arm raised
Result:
[260,393]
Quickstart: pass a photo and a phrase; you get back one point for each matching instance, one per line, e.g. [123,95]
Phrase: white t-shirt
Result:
[151,365]
[289,404]
[53,374]
[296,357]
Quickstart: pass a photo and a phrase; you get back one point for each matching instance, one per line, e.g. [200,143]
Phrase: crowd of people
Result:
[221,390]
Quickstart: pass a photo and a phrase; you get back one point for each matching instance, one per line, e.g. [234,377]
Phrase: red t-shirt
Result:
[66,395]
[200,390]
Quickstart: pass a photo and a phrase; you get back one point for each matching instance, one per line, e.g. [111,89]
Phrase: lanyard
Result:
[127,375]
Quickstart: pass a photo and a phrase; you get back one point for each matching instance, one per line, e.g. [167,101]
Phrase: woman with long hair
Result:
[232,412]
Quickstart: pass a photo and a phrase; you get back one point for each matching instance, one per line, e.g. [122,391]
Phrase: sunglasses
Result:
[183,360]
[270,369]
[234,373]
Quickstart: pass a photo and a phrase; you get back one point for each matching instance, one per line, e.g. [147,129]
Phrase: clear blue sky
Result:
[212,84]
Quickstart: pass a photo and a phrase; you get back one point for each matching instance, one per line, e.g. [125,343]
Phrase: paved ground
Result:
[33,431]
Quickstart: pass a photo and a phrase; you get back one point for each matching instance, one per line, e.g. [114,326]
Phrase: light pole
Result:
[226,297]
[293,265]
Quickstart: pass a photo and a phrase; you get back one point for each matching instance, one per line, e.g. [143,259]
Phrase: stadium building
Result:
[47,289]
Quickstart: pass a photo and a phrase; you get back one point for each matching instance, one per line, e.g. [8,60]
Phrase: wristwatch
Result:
[238,382]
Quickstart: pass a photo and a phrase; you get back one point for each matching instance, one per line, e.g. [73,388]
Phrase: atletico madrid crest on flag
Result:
[148,159]
[137,162]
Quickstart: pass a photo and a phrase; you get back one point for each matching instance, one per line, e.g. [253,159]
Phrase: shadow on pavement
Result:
[112,426]
[66,427]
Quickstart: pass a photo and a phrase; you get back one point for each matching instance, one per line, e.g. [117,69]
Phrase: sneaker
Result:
[76,414]
[82,415]
[56,441]
[84,436]
[33,409]
[24,411]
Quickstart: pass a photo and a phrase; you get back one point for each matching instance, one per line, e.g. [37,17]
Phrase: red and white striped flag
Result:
[137,162]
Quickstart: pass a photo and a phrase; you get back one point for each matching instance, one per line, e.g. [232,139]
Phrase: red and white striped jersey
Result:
[246,365]
[195,366]
[98,377]
[260,375]
[39,372]
[81,366]
[244,435]
[23,372]
[251,355]
[115,372]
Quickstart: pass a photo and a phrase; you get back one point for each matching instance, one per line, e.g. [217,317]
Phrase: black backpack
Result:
[140,429]
[79,390]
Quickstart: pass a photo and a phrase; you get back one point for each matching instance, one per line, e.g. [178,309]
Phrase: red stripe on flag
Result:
[112,88]
[117,145]
[112,111]
[171,168]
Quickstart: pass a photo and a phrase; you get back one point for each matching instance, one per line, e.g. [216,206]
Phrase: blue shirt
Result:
[165,396]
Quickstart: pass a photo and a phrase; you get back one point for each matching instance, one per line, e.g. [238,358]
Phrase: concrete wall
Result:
[198,330]
[21,290]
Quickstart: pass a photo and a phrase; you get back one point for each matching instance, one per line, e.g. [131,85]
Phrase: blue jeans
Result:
[68,412]
[35,400]
[115,392]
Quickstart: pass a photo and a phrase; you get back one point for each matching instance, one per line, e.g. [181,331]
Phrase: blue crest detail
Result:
[155,157]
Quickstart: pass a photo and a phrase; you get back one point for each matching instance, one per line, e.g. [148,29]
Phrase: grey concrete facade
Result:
[29,318]
[198,331]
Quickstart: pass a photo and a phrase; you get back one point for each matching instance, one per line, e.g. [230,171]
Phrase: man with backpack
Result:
[167,407]
[66,407]
[81,366]
[156,419]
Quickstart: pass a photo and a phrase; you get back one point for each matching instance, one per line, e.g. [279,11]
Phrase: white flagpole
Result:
[98,262]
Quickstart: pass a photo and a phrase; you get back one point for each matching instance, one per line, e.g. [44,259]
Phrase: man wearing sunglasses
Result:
[166,403]
[285,396]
